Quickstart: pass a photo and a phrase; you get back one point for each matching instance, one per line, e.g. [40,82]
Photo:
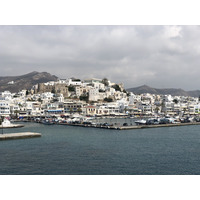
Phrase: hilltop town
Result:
[91,97]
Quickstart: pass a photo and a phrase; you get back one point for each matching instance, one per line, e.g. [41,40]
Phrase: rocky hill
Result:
[16,83]
[172,91]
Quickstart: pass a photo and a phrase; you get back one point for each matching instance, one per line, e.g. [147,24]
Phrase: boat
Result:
[6,123]
[153,121]
[47,122]
[141,122]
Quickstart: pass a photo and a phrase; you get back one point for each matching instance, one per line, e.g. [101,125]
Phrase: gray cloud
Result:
[160,56]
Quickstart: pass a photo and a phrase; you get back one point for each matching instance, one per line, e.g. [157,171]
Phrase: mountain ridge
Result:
[25,81]
[164,91]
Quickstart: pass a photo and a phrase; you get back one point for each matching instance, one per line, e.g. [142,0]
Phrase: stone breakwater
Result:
[10,136]
[132,127]
[12,126]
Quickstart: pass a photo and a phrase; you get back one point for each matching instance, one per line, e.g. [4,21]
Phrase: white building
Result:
[93,94]
[33,108]
[50,83]
[11,83]
[4,108]
[91,81]
[22,93]
[60,98]
[46,97]
[73,81]
[122,104]
[80,90]
[6,95]
[62,81]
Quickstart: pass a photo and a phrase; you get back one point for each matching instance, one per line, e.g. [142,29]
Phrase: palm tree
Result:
[184,109]
[16,113]
[79,110]
[157,109]
[70,110]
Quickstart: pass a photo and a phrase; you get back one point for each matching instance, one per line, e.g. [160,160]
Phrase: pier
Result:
[158,125]
[134,126]
[9,136]
[12,126]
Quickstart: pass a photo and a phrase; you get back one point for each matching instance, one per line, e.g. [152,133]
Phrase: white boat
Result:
[140,122]
[47,122]
[6,122]
[153,121]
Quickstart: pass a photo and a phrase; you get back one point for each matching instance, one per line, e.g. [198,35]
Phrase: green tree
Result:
[53,91]
[1,119]
[76,79]
[100,90]
[70,110]
[116,87]
[84,97]
[108,99]
[40,100]
[125,109]
[162,106]
[105,81]
[157,109]
[71,88]
[79,110]
[16,113]
[175,101]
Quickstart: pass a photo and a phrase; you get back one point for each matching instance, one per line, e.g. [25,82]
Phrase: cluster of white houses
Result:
[94,97]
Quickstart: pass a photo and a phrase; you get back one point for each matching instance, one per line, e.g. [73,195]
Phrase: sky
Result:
[158,56]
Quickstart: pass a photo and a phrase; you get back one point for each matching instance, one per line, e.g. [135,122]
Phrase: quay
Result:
[9,136]
[12,126]
[158,125]
[134,126]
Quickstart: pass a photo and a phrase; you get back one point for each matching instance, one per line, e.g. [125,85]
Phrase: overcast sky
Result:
[159,56]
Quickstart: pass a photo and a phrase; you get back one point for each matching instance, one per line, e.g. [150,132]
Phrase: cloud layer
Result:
[159,56]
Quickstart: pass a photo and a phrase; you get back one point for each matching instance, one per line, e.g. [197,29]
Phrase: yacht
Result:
[141,122]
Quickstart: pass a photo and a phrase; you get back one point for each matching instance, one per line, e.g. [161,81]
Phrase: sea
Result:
[69,150]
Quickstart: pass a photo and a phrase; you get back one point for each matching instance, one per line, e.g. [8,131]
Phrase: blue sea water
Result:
[66,150]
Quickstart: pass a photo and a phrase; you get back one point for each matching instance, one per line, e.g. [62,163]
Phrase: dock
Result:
[12,126]
[9,136]
[158,125]
[133,126]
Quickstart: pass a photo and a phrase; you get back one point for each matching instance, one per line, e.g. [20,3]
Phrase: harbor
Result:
[120,123]
[12,126]
[11,136]
[68,149]
[158,126]
[7,124]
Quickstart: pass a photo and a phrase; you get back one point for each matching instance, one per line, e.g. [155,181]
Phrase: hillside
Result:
[25,81]
[172,91]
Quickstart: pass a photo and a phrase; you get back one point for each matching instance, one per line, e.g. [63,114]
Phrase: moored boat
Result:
[141,122]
